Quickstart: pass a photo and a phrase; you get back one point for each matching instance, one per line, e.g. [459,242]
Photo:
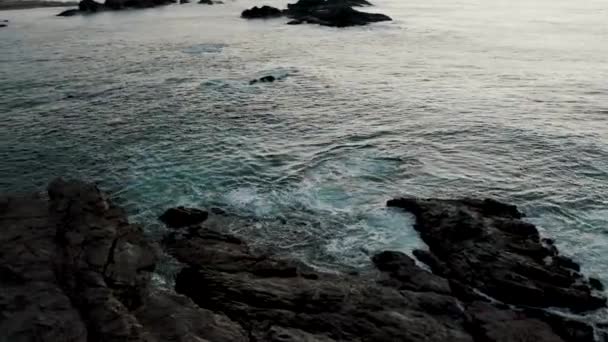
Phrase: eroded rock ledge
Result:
[72,268]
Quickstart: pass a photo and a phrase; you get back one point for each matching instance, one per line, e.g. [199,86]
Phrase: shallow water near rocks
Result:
[504,99]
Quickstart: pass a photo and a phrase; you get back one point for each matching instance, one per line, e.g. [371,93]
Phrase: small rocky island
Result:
[72,268]
[336,13]
[92,6]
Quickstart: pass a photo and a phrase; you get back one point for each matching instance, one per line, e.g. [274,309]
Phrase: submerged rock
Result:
[265,79]
[485,245]
[183,217]
[337,13]
[263,12]
[73,268]
[272,296]
[90,6]
[277,299]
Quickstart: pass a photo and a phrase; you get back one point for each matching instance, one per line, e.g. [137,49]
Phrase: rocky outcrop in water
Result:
[484,245]
[265,79]
[72,268]
[182,217]
[263,12]
[337,13]
[91,6]
[277,299]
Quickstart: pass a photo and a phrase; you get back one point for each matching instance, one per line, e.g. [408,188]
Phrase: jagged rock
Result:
[73,267]
[485,245]
[182,217]
[337,13]
[404,274]
[309,5]
[171,317]
[90,6]
[210,2]
[596,284]
[69,13]
[567,328]
[272,295]
[489,323]
[263,12]
[265,79]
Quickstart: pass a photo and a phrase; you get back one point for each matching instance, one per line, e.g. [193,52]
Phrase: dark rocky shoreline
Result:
[72,268]
[335,13]
[28,4]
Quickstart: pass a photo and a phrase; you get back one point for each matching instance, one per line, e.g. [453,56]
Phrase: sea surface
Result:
[484,98]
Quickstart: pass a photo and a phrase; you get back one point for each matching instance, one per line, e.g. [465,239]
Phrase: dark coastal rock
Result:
[171,317]
[3,25]
[311,5]
[338,16]
[263,12]
[490,323]
[183,217]
[337,13]
[596,284]
[484,244]
[69,13]
[284,300]
[90,6]
[184,2]
[265,79]
[72,267]
[405,274]
[279,299]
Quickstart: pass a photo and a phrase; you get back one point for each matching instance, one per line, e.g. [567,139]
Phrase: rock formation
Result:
[263,12]
[338,13]
[484,245]
[72,268]
[91,6]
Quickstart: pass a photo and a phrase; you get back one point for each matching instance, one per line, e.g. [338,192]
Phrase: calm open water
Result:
[507,99]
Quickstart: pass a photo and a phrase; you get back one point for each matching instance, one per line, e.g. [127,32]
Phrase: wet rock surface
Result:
[263,12]
[484,244]
[336,13]
[182,217]
[72,268]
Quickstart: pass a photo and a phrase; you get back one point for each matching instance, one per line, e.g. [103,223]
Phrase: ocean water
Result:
[484,98]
